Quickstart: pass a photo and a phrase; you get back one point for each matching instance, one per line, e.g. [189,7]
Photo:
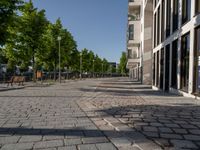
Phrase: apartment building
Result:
[176,46]
[139,40]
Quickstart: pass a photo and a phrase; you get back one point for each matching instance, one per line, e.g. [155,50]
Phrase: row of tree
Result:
[29,39]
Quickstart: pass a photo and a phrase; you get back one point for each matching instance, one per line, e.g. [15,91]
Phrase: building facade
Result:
[139,40]
[176,46]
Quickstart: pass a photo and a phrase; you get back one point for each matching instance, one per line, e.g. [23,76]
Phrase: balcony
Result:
[135,3]
[133,63]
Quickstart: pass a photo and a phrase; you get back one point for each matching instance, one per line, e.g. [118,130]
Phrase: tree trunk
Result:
[34,69]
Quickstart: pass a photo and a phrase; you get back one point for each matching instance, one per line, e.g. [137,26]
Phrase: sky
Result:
[98,25]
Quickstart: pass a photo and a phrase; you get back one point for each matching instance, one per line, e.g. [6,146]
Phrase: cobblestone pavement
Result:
[104,114]
[144,118]
[48,118]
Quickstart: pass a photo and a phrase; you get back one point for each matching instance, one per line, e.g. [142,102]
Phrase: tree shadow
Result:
[160,123]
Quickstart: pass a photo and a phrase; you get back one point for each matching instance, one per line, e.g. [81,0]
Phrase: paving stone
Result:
[67,148]
[72,141]
[87,147]
[155,124]
[30,139]
[195,131]
[151,134]
[120,141]
[17,146]
[94,140]
[9,139]
[48,144]
[150,129]
[183,144]
[163,142]
[165,130]
[171,136]
[188,126]
[105,146]
[172,125]
[180,131]
[192,137]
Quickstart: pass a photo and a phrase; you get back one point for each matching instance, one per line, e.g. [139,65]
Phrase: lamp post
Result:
[80,65]
[93,68]
[59,39]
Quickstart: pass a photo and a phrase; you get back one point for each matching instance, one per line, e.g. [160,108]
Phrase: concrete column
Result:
[191,60]
[179,47]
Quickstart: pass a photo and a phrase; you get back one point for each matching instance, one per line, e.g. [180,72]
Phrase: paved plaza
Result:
[101,114]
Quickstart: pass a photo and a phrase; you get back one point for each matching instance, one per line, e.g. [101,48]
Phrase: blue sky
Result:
[98,25]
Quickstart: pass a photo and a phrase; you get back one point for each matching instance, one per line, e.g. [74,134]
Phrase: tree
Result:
[68,48]
[7,11]
[122,64]
[27,43]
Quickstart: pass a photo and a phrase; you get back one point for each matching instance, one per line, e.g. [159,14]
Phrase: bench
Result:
[16,79]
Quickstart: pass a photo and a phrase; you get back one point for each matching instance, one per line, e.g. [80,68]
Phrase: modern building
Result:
[176,46]
[139,40]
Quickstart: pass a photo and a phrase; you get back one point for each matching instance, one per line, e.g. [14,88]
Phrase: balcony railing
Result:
[134,17]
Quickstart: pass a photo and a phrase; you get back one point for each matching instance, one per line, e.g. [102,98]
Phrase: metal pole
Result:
[80,65]
[59,63]
[93,68]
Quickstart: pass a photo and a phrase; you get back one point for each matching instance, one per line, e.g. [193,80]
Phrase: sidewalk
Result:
[144,118]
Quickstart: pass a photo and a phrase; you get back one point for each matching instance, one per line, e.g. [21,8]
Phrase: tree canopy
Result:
[31,40]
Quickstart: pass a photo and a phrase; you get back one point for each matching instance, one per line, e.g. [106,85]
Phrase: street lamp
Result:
[80,65]
[93,68]
[59,39]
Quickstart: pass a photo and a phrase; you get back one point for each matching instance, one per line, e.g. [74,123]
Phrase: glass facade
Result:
[167,63]
[158,26]
[168,18]
[197,61]
[185,51]
[161,68]
[175,15]
[131,32]
[186,11]
[154,68]
[157,69]
[197,6]
[174,60]
[163,21]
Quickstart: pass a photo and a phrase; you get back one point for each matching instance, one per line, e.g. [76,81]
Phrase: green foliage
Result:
[68,48]
[26,41]
[30,39]
[7,12]
[122,65]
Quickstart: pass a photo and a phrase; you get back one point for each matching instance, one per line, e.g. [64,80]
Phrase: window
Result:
[175,15]
[155,30]
[167,62]
[129,53]
[154,68]
[174,64]
[158,26]
[185,51]
[186,10]
[197,62]
[131,32]
[163,21]
[157,69]
[197,8]
[161,68]
[168,18]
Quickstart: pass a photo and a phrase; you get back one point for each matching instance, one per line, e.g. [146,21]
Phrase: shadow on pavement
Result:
[165,125]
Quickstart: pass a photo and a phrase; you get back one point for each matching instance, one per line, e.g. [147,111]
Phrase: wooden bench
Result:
[16,79]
